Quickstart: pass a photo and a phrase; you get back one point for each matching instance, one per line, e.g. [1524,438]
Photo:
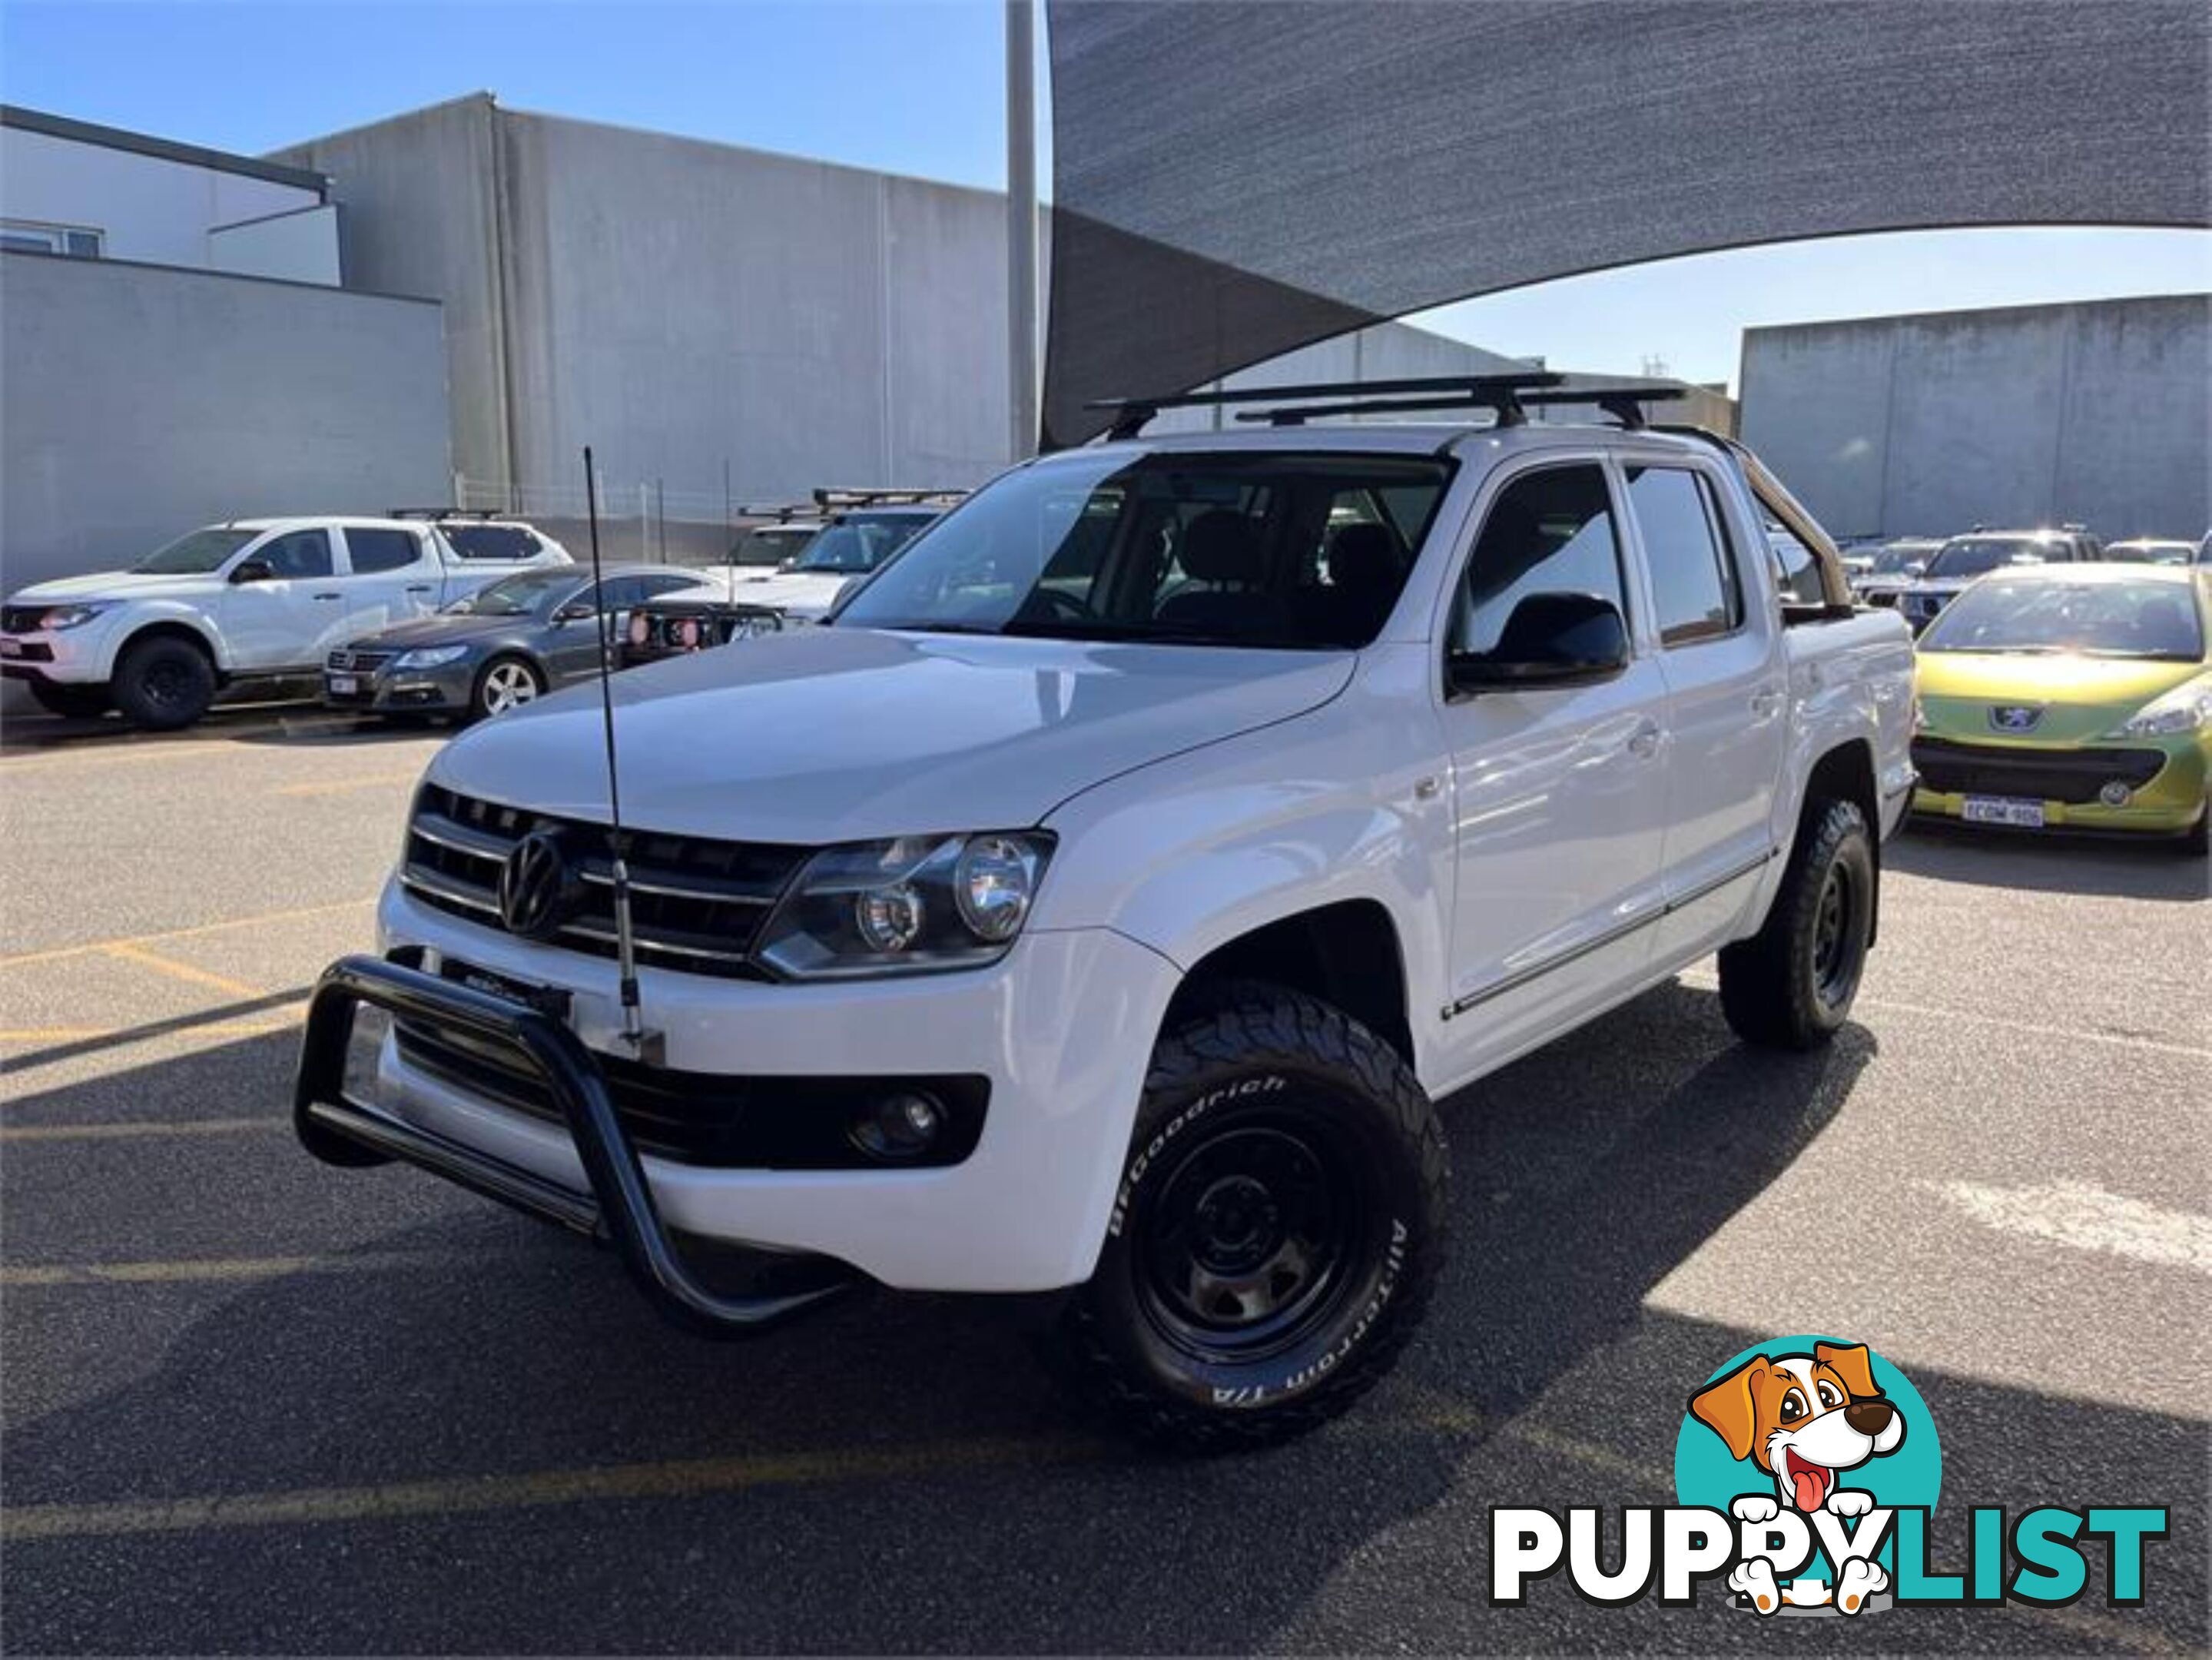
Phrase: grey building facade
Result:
[2098,413]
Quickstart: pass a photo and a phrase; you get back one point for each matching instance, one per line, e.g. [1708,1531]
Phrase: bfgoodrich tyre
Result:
[1790,985]
[1278,1230]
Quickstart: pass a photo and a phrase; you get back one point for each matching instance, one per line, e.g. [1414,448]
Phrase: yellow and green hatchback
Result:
[2071,697]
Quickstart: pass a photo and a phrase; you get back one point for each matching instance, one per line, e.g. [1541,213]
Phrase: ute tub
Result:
[1063,1029]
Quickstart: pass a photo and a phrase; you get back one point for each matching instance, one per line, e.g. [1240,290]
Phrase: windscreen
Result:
[2095,619]
[517,596]
[202,551]
[1287,552]
[858,543]
[1971,555]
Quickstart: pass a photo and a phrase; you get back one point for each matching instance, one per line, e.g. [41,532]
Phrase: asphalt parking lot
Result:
[254,1404]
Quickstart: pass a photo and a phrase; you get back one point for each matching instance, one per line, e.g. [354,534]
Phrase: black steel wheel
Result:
[1277,1229]
[163,682]
[1791,984]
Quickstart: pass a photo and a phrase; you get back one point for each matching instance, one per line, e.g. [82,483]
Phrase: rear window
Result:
[491,541]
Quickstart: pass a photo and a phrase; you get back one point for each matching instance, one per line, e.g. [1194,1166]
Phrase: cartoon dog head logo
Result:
[1804,1420]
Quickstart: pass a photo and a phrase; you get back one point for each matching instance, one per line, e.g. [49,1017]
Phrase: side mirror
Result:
[576,611]
[1550,639]
[1915,568]
[252,570]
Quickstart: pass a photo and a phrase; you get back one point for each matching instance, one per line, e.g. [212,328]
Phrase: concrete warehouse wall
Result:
[677,304]
[143,401]
[2098,413]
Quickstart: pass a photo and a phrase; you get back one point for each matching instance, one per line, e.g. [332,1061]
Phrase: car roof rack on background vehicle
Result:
[828,500]
[485,514]
[778,515]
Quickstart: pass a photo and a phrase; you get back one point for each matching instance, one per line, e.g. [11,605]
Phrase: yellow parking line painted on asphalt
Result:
[57,952]
[122,751]
[191,1269]
[91,1034]
[185,971]
[691,1478]
[337,786]
[142,1126]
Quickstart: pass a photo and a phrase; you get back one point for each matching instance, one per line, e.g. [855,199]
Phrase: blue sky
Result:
[918,87]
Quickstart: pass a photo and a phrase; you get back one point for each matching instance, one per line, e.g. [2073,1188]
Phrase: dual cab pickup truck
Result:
[254,599]
[1102,902]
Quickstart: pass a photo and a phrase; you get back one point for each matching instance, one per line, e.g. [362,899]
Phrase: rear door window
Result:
[373,550]
[1695,593]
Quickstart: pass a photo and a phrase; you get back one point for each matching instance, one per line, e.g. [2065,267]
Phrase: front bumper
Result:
[388,690]
[62,657]
[2169,802]
[1062,1030]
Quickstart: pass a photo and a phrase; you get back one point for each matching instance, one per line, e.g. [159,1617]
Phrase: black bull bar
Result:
[619,1209]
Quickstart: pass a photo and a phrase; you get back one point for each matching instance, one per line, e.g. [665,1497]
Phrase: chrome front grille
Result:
[358,662]
[695,905]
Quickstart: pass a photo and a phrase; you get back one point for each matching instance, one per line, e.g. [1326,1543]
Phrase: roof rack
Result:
[447,512]
[827,499]
[780,514]
[1624,403]
[1496,392]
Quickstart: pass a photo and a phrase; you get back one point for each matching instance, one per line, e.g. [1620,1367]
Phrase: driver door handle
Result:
[418,588]
[1644,741]
[1765,703]
[330,596]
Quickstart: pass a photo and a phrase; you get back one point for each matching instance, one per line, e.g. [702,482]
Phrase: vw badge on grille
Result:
[2014,717]
[537,888]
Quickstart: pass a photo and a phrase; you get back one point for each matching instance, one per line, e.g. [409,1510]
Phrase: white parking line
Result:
[2088,1219]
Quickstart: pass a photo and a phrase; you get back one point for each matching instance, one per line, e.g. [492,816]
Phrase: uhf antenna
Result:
[645,1045]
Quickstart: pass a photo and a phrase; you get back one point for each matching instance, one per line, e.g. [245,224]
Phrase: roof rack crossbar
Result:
[1498,391]
[826,498]
[447,513]
[1624,403]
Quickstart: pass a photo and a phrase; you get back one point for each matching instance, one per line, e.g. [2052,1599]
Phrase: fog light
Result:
[888,918]
[2114,794]
[904,1124]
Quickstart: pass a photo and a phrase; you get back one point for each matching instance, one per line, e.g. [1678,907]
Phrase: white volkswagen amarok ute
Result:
[1104,900]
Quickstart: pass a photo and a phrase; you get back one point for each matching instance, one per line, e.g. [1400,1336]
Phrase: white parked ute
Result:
[1101,904]
[252,599]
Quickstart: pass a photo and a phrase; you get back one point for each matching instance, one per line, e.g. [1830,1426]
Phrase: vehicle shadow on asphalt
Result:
[978,1515]
[2095,868]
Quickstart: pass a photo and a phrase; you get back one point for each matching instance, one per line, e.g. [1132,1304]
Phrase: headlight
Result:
[2187,707]
[430,657]
[907,906]
[70,617]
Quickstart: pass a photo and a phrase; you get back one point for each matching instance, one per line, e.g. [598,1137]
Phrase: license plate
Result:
[344,686]
[10,647]
[2003,810]
[549,999]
